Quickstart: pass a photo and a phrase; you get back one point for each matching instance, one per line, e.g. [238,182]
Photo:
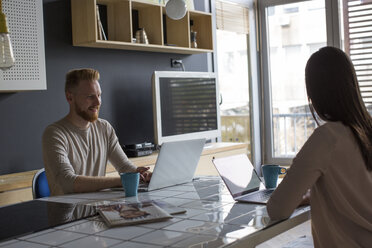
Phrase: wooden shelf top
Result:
[143,47]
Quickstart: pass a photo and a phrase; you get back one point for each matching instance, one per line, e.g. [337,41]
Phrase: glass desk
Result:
[213,219]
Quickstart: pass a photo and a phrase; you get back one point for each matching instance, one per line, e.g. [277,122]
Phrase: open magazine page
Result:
[131,213]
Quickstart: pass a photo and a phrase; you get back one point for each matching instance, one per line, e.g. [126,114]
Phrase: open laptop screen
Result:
[176,163]
[238,174]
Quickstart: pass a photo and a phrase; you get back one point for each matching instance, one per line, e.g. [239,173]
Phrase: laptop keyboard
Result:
[143,184]
[260,196]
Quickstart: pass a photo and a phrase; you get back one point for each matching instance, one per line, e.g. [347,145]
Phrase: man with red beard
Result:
[77,148]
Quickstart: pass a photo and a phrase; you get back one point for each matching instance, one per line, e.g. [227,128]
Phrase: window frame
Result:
[254,75]
[333,39]
[237,23]
[358,43]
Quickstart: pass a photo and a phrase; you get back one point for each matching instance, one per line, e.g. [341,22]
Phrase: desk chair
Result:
[40,187]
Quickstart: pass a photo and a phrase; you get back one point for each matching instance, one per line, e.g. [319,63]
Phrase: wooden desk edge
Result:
[22,180]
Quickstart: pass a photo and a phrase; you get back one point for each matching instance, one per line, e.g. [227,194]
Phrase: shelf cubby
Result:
[177,31]
[149,17]
[122,18]
[202,24]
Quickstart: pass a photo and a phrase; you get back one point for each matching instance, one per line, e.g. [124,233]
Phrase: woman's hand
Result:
[305,199]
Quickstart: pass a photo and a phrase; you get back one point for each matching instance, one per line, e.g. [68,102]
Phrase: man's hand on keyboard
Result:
[145,175]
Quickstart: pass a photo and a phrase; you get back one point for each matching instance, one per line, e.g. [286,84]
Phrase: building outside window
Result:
[291,32]
[233,73]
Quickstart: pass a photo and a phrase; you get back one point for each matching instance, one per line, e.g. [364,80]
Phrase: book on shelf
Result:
[100,31]
[121,213]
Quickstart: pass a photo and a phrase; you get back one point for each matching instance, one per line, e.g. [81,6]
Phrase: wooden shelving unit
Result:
[123,17]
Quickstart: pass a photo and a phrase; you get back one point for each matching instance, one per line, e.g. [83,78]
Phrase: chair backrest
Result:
[40,187]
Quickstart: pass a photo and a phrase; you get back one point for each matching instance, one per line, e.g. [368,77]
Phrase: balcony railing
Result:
[290,132]
[236,128]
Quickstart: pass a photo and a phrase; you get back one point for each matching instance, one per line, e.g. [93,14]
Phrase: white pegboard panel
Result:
[25,24]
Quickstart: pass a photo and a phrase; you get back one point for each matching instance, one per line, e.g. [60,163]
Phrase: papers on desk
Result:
[120,213]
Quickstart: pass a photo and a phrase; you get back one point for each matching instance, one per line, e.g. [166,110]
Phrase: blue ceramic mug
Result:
[271,173]
[130,183]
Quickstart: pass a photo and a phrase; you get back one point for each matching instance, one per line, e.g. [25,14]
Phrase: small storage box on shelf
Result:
[122,18]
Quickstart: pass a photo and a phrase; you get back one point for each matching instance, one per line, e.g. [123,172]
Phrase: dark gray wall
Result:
[125,82]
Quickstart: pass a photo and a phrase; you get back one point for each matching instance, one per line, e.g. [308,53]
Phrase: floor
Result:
[297,237]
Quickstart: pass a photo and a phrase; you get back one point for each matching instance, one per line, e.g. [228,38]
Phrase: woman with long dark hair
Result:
[336,161]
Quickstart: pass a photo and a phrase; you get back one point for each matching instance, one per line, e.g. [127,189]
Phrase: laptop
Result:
[241,179]
[176,164]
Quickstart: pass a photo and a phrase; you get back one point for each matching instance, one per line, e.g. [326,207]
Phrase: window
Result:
[289,38]
[358,43]
[233,73]
[293,9]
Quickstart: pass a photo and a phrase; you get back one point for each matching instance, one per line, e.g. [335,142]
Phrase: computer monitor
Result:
[185,106]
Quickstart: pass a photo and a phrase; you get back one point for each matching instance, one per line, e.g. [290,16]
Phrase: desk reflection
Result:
[33,216]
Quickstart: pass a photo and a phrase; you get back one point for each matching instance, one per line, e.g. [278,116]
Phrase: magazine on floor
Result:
[121,213]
